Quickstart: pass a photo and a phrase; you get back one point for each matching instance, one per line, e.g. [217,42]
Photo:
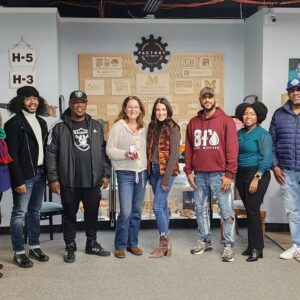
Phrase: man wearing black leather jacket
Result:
[77,167]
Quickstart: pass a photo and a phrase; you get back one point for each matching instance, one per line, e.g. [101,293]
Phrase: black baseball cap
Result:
[78,95]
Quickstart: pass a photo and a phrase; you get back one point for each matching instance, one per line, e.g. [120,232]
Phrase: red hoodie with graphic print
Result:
[211,144]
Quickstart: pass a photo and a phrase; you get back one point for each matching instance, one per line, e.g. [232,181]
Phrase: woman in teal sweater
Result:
[253,175]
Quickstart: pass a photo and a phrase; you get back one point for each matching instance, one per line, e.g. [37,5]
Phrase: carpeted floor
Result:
[282,239]
[182,276]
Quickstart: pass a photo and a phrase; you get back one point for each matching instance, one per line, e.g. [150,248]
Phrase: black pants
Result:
[252,203]
[70,200]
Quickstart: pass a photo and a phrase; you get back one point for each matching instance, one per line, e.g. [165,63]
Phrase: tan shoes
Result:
[135,250]
[119,253]
[164,249]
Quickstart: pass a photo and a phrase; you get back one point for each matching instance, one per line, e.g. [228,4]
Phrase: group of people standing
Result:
[77,162]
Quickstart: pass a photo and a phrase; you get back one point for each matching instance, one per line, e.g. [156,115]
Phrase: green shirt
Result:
[255,148]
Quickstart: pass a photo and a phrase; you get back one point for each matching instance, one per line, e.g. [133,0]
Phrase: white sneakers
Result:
[293,252]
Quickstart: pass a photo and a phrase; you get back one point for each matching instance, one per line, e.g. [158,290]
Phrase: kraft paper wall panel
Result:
[200,68]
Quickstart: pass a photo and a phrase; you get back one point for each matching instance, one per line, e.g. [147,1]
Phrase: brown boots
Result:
[165,248]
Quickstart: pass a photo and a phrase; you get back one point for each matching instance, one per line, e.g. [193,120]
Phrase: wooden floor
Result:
[282,239]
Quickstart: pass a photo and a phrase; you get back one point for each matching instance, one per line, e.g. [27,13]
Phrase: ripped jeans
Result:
[210,183]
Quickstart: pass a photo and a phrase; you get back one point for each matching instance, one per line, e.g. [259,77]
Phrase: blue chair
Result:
[50,209]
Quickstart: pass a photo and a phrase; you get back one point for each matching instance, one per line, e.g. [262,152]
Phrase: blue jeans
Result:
[160,201]
[291,196]
[30,203]
[210,184]
[131,187]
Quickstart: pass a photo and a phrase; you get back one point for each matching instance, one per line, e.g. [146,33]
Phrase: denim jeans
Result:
[30,203]
[210,184]
[131,187]
[291,196]
[160,201]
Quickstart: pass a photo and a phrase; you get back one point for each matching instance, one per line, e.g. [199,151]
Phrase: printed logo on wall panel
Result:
[152,54]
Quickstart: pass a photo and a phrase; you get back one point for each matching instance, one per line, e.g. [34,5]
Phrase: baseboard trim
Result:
[151,224]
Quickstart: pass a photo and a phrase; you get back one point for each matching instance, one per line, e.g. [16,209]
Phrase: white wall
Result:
[280,42]
[264,50]
[38,27]
[120,36]
[59,41]
[254,55]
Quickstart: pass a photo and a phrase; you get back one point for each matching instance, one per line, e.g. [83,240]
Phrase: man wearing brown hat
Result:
[77,166]
[211,151]
[25,136]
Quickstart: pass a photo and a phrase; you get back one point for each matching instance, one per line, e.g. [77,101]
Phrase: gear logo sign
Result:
[152,53]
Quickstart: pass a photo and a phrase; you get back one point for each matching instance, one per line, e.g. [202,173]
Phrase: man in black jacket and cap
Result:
[77,166]
[26,135]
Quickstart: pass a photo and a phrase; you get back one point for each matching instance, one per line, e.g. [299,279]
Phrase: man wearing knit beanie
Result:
[26,133]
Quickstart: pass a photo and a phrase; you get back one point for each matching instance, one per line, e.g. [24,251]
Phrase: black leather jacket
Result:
[60,159]
[23,148]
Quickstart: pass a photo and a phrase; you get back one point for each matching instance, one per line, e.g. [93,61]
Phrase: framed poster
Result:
[294,68]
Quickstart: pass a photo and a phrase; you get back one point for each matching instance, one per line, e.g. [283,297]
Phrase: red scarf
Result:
[5,158]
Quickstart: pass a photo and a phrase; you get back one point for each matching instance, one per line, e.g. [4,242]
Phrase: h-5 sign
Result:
[22,57]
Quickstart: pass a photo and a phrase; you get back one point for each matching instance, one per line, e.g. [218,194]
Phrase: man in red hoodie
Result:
[211,151]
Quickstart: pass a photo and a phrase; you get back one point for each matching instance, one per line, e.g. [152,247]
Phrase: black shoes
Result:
[70,252]
[92,247]
[1,266]
[22,260]
[255,255]
[247,251]
[38,254]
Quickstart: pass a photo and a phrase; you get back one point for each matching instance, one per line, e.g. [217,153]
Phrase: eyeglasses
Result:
[295,89]
[136,108]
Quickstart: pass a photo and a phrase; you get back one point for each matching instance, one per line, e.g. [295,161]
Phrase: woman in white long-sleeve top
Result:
[126,147]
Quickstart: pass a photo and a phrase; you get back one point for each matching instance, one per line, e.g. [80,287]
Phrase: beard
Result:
[205,109]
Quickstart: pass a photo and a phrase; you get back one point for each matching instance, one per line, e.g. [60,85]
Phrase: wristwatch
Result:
[257,176]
